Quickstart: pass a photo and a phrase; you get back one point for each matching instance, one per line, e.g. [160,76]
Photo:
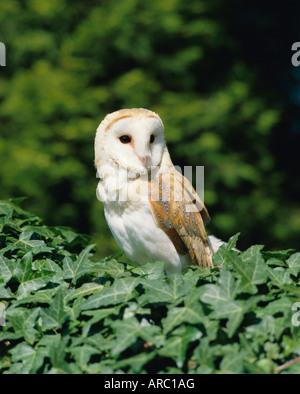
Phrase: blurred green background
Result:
[218,73]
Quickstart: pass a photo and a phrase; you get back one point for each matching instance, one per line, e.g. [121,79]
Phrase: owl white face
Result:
[135,143]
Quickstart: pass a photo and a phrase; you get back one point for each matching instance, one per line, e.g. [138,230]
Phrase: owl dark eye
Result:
[152,138]
[125,139]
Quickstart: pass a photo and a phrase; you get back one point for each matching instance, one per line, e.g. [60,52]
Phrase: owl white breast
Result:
[152,211]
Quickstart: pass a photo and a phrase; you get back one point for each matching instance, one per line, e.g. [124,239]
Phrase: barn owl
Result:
[151,209]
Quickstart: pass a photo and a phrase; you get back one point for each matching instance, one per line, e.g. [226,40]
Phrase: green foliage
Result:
[67,312]
[217,78]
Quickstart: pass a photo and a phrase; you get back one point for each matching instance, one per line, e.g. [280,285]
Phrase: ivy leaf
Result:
[22,323]
[224,292]
[6,268]
[276,262]
[42,231]
[27,359]
[232,363]
[69,236]
[100,314]
[292,289]
[177,344]
[7,221]
[236,313]
[85,290]
[151,270]
[82,355]
[282,305]
[55,315]
[279,276]
[129,330]
[225,306]
[232,241]
[278,254]
[5,208]
[169,291]
[4,293]
[112,268]
[58,355]
[30,280]
[267,327]
[67,233]
[136,362]
[294,263]
[205,353]
[40,297]
[27,243]
[121,291]
[75,270]
[251,267]
[191,312]
[219,257]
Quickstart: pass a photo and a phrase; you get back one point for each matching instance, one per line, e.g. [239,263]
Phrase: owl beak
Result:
[145,160]
[142,150]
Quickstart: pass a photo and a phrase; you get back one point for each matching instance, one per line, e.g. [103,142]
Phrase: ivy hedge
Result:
[68,312]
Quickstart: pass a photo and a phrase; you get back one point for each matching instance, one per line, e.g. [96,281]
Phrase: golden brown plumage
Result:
[179,211]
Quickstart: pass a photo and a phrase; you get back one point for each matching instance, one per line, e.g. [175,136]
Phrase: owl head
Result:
[131,138]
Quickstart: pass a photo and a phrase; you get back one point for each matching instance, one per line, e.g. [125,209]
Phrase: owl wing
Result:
[179,211]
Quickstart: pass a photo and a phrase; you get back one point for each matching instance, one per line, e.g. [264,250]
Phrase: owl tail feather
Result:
[215,243]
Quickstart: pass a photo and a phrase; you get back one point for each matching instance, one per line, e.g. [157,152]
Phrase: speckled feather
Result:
[170,199]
